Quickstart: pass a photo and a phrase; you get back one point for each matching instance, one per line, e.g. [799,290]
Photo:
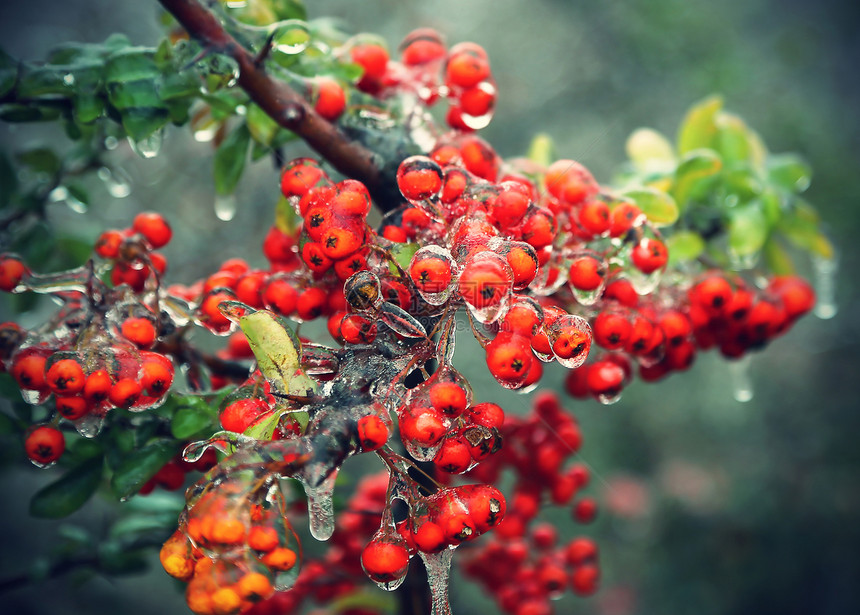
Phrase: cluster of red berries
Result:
[438,422]
[132,251]
[235,545]
[428,71]
[537,448]
[97,352]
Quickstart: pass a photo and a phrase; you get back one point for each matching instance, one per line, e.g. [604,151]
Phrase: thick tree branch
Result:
[283,104]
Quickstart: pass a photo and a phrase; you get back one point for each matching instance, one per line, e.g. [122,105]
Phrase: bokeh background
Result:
[710,506]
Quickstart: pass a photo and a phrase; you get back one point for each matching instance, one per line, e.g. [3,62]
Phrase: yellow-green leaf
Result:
[660,208]
[684,246]
[696,172]
[650,151]
[737,142]
[698,128]
[748,230]
[277,350]
[777,258]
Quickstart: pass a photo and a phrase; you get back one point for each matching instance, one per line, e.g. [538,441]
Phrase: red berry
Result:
[649,255]
[153,227]
[329,98]
[125,393]
[419,178]
[385,559]
[372,432]
[585,510]
[108,244]
[12,270]
[97,387]
[28,369]
[65,377]
[453,456]
[72,407]
[299,176]
[139,331]
[430,272]
[240,414]
[44,445]
[587,273]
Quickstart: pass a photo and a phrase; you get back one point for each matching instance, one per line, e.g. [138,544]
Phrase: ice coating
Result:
[438,567]
[825,271]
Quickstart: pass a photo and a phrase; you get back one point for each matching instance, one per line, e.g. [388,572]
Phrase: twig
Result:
[280,102]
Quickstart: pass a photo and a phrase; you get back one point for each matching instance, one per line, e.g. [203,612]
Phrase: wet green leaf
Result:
[748,229]
[69,492]
[262,127]
[29,113]
[402,253]
[193,415]
[40,160]
[8,73]
[684,246]
[658,207]
[230,160]
[790,172]
[140,123]
[140,465]
[134,94]
[131,64]
[286,218]
[777,259]
[277,350]
[736,142]
[695,175]
[698,128]
[650,151]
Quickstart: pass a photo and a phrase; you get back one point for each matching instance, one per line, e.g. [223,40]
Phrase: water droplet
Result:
[116,180]
[111,143]
[69,79]
[219,71]
[739,370]
[320,507]
[148,147]
[290,36]
[237,4]
[61,194]
[825,271]
[225,207]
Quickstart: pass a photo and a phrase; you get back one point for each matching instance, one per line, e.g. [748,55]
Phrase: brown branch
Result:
[283,104]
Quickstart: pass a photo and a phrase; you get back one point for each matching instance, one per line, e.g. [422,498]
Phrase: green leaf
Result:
[36,82]
[790,172]
[134,94]
[748,230]
[277,350]
[9,426]
[402,253]
[131,64]
[694,175]
[193,416]
[141,123]
[286,218]
[68,493]
[40,160]
[658,207]
[684,246]
[265,428]
[541,150]
[289,9]
[737,142]
[8,73]
[140,465]
[650,151]
[743,182]
[698,128]
[801,227]
[263,128]
[89,106]
[777,258]
[29,113]
[230,160]
[8,179]
[179,85]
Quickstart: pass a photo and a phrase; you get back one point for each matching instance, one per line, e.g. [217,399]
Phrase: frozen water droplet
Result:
[320,507]
[739,370]
[116,180]
[290,36]
[570,339]
[219,71]
[438,566]
[111,143]
[148,147]
[69,79]
[237,4]
[61,194]
[225,207]
[825,271]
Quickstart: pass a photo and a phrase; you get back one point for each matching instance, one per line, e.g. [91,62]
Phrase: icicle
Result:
[825,272]
[438,566]
[742,388]
[320,507]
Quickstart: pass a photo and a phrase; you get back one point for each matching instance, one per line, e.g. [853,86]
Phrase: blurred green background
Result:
[719,507]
